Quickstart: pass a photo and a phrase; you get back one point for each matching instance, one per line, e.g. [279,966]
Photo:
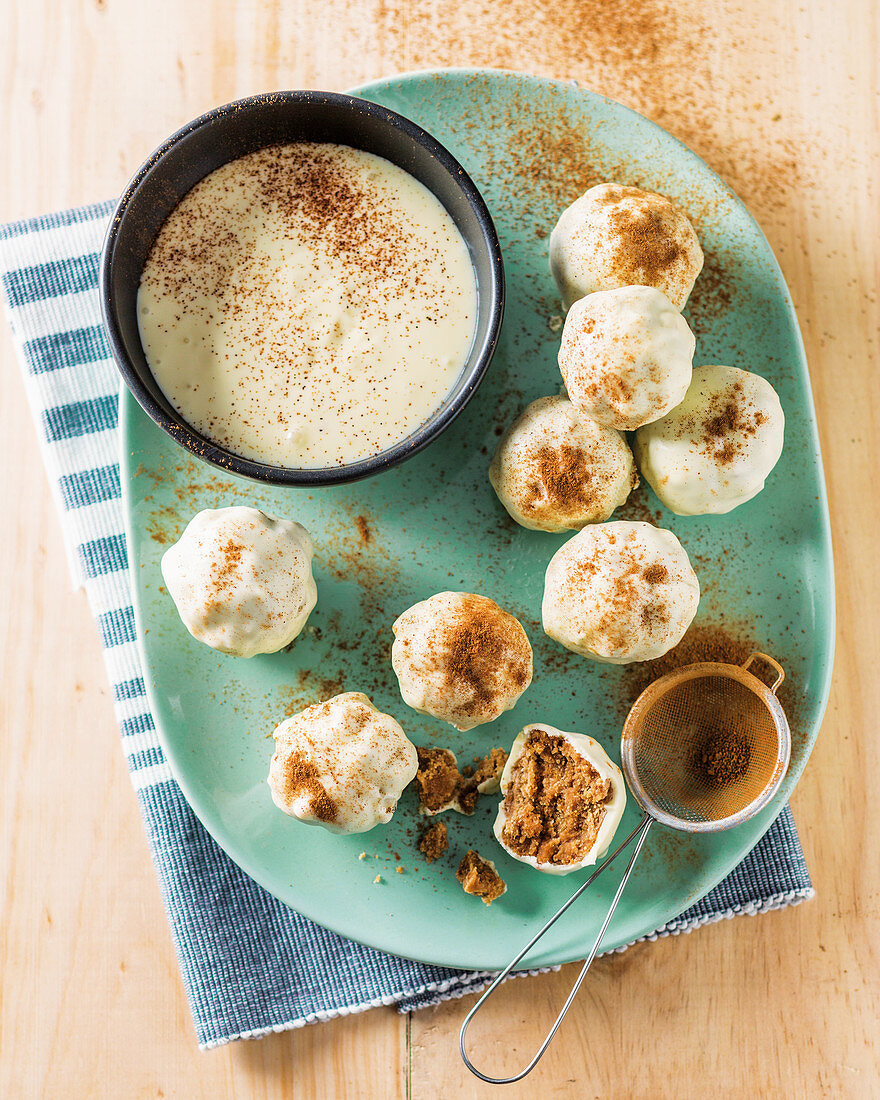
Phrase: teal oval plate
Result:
[433,523]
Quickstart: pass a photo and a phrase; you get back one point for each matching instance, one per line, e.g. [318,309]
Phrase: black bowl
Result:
[229,132]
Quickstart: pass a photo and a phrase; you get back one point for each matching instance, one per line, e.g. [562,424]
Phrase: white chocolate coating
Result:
[620,592]
[717,448]
[555,469]
[460,658]
[241,580]
[342,764]
[592,752]
[620,236]
[626,356]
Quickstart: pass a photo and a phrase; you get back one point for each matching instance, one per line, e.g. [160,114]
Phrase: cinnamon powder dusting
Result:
[301,776]
[486,643]
[646,246]
[230,563]
[363,529]
[656,573]
[565,477]
[732,415]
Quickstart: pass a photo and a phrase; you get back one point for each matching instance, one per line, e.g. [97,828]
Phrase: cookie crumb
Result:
[479,877]
[434,841]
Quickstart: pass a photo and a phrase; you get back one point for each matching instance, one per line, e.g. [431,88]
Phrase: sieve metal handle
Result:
[775,665]
[640,831]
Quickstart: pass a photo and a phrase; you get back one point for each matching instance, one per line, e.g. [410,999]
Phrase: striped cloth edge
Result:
[250,965]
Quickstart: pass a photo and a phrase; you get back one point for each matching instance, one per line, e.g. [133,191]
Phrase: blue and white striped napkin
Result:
[250,965]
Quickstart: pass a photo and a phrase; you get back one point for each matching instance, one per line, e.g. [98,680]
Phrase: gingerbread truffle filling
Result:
[479,877]
[442,786]
[555,802]
[437,778]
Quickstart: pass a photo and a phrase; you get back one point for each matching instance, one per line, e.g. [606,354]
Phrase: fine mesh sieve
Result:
[704,748]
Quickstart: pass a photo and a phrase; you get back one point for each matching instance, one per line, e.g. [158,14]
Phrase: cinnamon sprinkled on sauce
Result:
[307,304]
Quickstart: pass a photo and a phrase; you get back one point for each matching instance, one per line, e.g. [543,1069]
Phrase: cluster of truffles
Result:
[625,262]
[705,439]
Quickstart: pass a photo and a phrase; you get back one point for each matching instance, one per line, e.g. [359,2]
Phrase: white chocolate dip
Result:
[307,305]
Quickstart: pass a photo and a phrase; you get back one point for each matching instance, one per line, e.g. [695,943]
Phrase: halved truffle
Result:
[563,800]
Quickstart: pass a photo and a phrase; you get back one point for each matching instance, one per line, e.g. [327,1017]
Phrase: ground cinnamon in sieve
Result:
[721,757]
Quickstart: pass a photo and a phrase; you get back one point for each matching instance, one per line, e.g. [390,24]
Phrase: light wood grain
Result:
[778,96]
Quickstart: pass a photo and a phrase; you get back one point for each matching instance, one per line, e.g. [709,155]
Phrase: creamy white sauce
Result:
[307,305]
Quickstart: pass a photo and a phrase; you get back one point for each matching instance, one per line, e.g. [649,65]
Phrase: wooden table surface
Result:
[780,96]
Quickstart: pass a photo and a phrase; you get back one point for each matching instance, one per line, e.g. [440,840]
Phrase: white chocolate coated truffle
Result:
[555,469]
[573,824]
[620,592]
[241,580]
[626,356]
[342,764]
[622,236]
[718,447]
[460,658]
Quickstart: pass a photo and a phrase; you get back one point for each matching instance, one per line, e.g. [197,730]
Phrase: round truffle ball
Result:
[555,469]
[342,764]
[460,658]
[620,592]
[620,236]
[717,448]
[626,356]
[563,800]
[241,580]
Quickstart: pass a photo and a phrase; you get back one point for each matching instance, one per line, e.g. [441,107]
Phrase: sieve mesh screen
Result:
[705,748]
